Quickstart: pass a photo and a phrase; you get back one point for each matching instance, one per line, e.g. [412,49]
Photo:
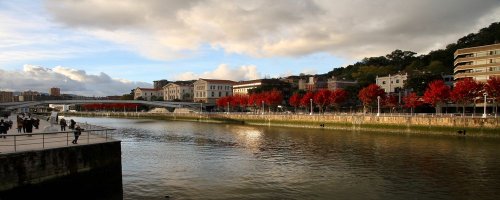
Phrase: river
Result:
[190,160]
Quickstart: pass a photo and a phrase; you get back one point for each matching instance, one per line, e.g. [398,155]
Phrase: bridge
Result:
[27,104]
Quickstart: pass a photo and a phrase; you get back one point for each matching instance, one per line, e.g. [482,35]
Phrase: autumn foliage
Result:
[492,87]
[269,98]
[465,91]
[110,106]
[368,95]
[412,101]
[437,93]
[295,100]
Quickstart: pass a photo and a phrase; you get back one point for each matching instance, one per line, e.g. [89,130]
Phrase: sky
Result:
[108,47]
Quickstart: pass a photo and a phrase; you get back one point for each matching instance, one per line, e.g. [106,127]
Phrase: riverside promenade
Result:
[45,164]
[49,136]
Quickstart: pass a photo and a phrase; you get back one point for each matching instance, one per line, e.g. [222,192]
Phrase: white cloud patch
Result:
[71,81]
[169,29]
[223,71]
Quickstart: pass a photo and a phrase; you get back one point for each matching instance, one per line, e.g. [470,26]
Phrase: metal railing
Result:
[46,140]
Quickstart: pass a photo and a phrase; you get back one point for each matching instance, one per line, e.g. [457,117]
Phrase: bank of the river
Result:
[398,124]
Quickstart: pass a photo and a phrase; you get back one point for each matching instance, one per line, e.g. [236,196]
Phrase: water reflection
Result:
[218,161]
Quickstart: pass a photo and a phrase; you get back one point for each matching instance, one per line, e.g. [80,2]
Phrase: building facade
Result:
[178,91]
[29,96]
[334,84]
[209,90]
[147,94]
[6,97]
[55,92]
[244,87]
[392,83]
[479,63]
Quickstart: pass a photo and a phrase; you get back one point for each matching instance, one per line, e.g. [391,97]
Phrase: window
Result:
[383,82]
[220,93]
[397,81]
[213,94]
[227,93]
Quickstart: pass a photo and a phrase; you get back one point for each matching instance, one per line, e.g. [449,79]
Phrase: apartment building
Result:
[6,97]
[392,83]
[178,91]
[243,87]
[479,63]
[334,83]
[147,94]
[55,92]
[209,90]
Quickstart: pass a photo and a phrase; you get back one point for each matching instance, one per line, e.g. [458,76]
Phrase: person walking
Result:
[3,127]
[28,125]
[63,124]
[19,124]
[77,133]
[72,124]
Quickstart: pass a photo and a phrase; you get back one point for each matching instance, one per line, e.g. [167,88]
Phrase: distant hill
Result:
[424,67]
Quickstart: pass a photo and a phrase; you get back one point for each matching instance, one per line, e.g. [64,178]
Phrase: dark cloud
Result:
[350,28]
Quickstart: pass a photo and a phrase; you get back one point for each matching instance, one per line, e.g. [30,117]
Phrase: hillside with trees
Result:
[422,68]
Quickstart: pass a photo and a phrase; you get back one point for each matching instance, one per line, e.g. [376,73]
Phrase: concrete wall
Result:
[26,169]
[430,124]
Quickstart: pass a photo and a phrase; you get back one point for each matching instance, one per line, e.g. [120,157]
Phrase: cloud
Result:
[169,29]
[223,71]
[71,81]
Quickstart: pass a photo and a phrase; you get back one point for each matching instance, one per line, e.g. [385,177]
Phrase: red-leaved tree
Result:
[273,97]
[411,101]
[437,94]
[295,101]
[492,87]
[338,97]
[368,95]
[391,102]
[322,99]
[465,91]
[305,101]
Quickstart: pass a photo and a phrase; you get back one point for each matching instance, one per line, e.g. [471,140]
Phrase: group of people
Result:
[26,123]
[72,125]
[5,125]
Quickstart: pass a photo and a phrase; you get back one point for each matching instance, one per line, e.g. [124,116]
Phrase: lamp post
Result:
[311,100]
[262,106]
[378,105]
[485,95]
[227,107]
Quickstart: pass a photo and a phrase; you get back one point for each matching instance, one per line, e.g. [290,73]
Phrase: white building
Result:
[209,90]
[392,83]
[178,91]
[242,87]
[147,93]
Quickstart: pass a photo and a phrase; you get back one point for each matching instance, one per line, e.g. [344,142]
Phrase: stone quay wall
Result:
[38,167]
[446,124]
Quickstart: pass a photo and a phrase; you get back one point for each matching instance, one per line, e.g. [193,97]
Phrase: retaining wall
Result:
[434,124]
[59,171]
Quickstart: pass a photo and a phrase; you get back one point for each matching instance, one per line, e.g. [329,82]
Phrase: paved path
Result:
[47,136]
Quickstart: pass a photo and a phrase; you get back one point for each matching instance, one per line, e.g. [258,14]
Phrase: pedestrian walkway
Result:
[49,136]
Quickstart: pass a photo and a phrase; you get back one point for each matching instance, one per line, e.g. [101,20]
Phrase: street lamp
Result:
[378,105]
[227,107]
[311,100]
[262,106]
[485,95]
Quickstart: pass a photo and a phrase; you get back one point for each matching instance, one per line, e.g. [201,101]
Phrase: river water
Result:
[189,160]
